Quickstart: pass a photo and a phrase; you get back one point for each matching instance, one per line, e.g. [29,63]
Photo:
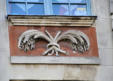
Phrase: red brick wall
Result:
[16,31]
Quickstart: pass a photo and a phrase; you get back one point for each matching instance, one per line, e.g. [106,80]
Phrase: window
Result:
[49,7]
[26,7]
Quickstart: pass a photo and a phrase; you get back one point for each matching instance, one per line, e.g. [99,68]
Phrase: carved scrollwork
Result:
[79,40]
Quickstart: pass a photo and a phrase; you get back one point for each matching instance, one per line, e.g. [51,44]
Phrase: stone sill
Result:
[28,20]
[54,60]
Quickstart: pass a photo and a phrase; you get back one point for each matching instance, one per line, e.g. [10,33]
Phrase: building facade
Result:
[13,67]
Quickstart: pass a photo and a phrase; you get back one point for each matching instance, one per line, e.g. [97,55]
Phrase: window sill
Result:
[54,60]
[27,20]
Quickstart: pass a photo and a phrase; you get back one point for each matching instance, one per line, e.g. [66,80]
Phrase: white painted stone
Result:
[104,33]
[37,72]
[106,56]
[4,46]
[79,72]
[61,72]
[100,8]
[54,60]
[111,6]
[4,65]
[103,23]
[104,73]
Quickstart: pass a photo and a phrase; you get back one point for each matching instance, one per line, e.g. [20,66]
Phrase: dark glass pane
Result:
[60,9]
[17,8]
[78,10]
[35,1]
[77,1]
[35,9]
[60,1]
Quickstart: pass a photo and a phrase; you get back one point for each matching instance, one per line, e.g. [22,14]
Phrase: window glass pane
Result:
[35,1]
[60,9]
[17,8]
[18,0]
[78,10]
[27,0]
[77,1]
[60,1]
[35,9]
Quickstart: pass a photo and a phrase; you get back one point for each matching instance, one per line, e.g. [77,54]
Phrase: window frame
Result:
[48,8]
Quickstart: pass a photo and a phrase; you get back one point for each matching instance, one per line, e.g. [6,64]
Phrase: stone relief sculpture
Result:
[79,41]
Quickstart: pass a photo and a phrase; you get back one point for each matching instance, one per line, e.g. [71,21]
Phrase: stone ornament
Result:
[79,41]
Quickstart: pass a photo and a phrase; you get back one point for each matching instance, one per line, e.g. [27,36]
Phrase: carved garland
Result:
[80,42]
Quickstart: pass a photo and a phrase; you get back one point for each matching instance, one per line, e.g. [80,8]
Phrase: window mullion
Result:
[51,7]
[26,10]
[47,7]
[69,7]
[8,12]
[88,7]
